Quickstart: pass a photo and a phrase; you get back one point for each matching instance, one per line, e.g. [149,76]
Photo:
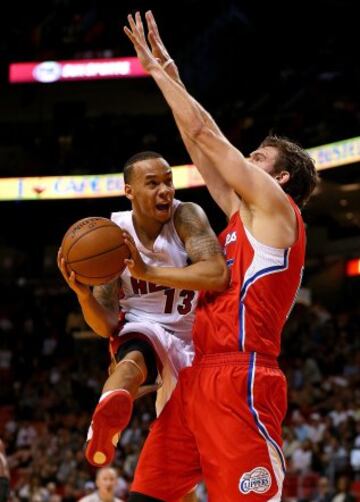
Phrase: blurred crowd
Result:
[321,359]
[53,370]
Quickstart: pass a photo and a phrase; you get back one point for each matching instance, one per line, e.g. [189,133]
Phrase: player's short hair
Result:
[138,157]
[301,167]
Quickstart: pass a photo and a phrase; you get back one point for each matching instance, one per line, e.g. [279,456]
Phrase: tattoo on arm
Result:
[108,295]
[194,229]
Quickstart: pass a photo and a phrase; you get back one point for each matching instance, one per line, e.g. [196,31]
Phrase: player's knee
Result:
[143,355]
[137,357]
[139,497]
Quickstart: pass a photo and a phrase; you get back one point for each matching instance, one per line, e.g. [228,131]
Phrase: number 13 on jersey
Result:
[185,304]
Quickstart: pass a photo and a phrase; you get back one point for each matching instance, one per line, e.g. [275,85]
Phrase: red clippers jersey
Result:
[250,314]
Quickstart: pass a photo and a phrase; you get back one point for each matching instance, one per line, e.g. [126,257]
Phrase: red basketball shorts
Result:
[223,425]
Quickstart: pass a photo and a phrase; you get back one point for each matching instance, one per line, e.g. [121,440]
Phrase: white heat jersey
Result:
[173,309]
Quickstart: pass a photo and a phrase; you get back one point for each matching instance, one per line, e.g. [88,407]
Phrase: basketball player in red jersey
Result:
[223,421]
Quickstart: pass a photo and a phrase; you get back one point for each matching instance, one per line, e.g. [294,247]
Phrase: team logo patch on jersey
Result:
[258,481]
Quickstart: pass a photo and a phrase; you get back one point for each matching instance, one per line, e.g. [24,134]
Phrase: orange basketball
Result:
[94,249]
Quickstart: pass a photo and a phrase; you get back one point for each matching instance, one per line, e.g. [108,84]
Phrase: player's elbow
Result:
[102,331]
[107,329]
[221,278]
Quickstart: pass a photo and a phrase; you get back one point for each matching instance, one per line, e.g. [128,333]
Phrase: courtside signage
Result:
[112,185]
[47,72]
[82,186]
[336,154]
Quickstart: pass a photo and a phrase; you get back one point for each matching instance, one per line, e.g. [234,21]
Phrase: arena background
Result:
[292,69]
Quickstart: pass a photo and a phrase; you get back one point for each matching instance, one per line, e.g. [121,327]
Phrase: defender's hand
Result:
[158,48]
[136,35]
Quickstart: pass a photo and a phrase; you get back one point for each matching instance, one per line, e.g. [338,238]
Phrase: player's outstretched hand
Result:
[159,50]
[135,33]
[136,265]
[81,290]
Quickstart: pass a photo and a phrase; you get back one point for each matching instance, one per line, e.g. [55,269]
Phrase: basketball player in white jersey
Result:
[156,335]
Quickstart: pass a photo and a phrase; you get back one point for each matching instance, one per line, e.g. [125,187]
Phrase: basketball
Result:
[94,249]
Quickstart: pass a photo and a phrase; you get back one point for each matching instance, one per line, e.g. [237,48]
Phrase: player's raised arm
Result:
[208,269]
[256,188]
[219,189]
